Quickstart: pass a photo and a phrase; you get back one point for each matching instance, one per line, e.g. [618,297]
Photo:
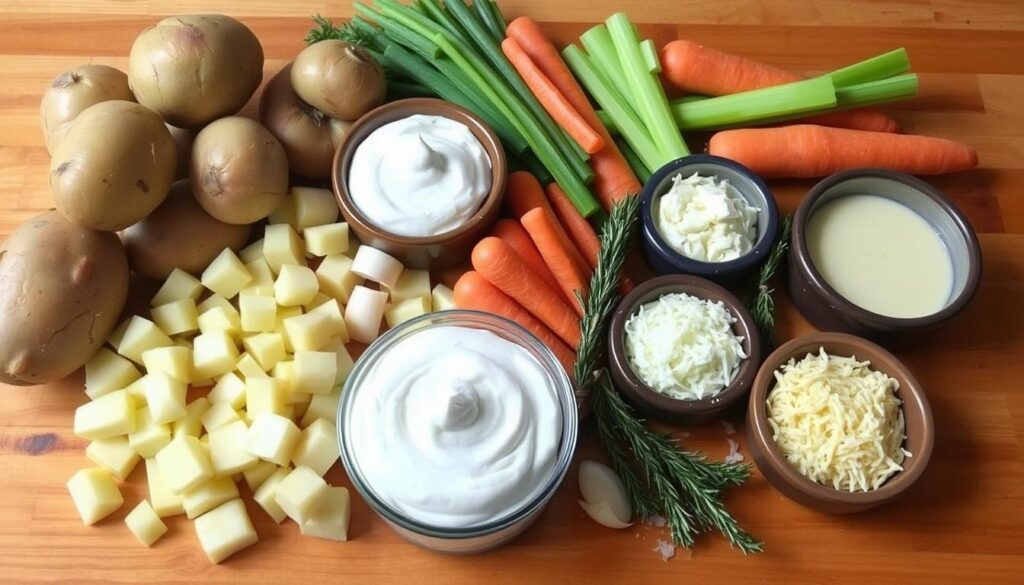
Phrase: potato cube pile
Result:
[266,333]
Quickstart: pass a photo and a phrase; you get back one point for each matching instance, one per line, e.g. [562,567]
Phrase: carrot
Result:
[544,234]
[613,178]
[553,101]
[513,234]
[501,266]
[472,291]
[693,67]
[523,193]
[815,151]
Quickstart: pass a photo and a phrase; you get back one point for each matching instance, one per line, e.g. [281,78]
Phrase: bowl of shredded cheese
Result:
[682,349]
[838,423]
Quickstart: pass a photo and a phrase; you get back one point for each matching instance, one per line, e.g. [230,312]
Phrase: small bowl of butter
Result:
[707,216]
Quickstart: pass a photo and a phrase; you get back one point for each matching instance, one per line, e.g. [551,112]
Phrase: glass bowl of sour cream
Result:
[457,428]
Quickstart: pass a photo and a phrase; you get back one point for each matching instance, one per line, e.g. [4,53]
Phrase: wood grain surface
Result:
[963,522]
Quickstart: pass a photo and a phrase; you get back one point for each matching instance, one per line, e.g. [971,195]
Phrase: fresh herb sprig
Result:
[659,477]
[762,301]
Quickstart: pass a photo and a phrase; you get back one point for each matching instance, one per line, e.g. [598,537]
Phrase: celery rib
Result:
[879,67]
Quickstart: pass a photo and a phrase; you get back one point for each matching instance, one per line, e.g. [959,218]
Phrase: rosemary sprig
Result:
[659,477]
[762,301]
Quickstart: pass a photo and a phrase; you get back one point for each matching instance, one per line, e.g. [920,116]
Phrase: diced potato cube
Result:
[108,416]
[145,524]
[208,496]
[301,494]
[252,252]
[165,397]
[226,275]
[213,354]
[364,312]
[324,240]
[262,275]
[114,339]
[318,299]
[114,455]
[257,474]
[176,317]
[332,310]
[336,277]
[283,314]
[410,285]
[185,464]
[282,247]
[179,285]
[342,359]
[373,264]
[229,389]
[212,302]
[285,372]
[313,207]
[227,449]
[137,392]
[141,334]
[318,447]
[266,494]
[405,310]
[106,372]
[149,437]
[259,313]
[265,395]
[331,522]
[192,423]
[308,332]
[174,360]
[295,285]
[442,298]
[165,503]
[272,438]
[323,406]
[218,415]
[220,319]
[315,371]
[266,348]
[249,367]
[95,494]
[299,401]
[225,530]
[285,211]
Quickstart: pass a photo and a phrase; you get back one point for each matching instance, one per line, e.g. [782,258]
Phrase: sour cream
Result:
[706,219]
[420,176]
[455,427]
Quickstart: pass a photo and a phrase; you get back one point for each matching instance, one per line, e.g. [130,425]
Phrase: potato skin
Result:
[75,90]
[239,171]
[62,289]
[115,166]
[340,79]
[179,234]
[304,131]
[194,69]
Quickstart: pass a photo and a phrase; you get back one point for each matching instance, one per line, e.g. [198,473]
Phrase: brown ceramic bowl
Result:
[657,405]
[827,309]
[920,427]
[434,252]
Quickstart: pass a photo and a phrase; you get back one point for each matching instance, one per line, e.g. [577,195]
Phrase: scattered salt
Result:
[655,520]
[666,549]
[730,429]
[734,455]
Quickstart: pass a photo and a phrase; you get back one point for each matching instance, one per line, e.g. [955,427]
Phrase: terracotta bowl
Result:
[433,252]
[654,404]
[920,427]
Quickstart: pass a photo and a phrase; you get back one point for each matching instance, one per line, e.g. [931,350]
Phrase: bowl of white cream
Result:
[421,179]
[457,428]
[707,216]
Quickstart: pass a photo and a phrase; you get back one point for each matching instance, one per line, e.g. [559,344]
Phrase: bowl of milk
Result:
[877,252]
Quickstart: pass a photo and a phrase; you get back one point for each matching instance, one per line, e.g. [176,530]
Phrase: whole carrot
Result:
[523,193]
[501,266]
[693,67]
[472,291]
[512,233]
[815,151]
[542,231]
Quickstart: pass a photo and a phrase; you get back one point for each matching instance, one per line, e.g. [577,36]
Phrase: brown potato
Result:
[340,79]
[75,90]
[115,166]
[304,131]
[179,234]
[239,171]
[62,289]
[194,69]
[183,139]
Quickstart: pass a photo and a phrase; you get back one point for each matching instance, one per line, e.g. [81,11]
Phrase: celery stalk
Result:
[789,99]
[598,44]
[879,67]
[876,92]
[650,55]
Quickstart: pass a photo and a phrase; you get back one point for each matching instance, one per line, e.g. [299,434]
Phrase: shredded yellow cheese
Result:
[838,421]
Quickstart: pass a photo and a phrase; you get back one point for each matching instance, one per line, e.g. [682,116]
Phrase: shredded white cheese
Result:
[706,219]
[838,421]
[683,346]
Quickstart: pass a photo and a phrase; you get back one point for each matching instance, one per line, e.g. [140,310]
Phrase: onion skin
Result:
[304,131]
[75,90]
[338,78]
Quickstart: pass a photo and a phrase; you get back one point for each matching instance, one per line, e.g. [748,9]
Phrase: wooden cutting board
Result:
[963,522]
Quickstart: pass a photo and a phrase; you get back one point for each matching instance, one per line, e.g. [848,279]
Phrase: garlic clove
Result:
[599,483]
[603,515]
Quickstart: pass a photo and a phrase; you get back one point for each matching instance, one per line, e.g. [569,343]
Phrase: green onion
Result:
[882,66]
[499,18]
[405,89]
[650,55]
[436,12]
[638,166]
[483,12]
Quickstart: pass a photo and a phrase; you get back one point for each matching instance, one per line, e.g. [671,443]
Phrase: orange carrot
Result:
[541,228]
[693,67]
[523,193]
[554,102]
[815,151]
[472,291]
[613,179]
[501,266]
[513,234]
